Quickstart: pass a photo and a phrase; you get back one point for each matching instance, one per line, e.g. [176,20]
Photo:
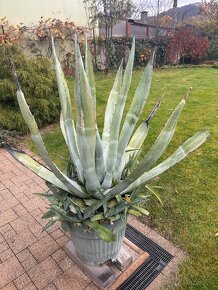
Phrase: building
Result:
[137,27]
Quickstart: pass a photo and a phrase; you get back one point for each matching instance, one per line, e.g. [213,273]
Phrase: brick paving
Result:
[31,259]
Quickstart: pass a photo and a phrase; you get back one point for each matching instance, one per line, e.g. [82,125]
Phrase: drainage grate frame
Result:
[152,267]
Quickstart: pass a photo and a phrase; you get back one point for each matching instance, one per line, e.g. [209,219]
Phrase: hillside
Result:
[184,12]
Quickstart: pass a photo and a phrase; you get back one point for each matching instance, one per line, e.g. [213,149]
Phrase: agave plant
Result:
[105,174]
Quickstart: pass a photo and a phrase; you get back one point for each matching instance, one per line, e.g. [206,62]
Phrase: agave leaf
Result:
[91,178]
[187,147]
[64,132]
[110,131]
[90,73]
[112,101]
[140,199]
[37,139]
[63,129]
[160,144]
[141,209]
[73,208]
[134,112]
[119,198]
[78,202]
[62,215]
[110,109]
[136,141]
[127,76]
[48,214]
[90,211]
[112,203]
[155,194]
[67,123]
[99,158]
[105,208]
[130,184]
[64,226]
[89,201]
[66,204]
[134,212]
[49,197]
[97,217]
[84,102]
[36,167]
[103,232]
[115,120]
[86,125]
[163,140]
[49,224]
[123,217]
[118,209]
[70,169]
[59,194]
[140,134]
[130,165]
[114,218]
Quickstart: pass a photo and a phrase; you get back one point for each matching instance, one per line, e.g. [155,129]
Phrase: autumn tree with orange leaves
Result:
[187,46]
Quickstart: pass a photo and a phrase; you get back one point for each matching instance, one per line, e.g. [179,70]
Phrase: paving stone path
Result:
[29,258]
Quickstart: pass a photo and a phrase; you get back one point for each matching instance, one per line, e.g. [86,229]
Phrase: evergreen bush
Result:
[38,82]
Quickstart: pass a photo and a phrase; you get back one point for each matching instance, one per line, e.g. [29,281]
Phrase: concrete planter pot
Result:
[91,249]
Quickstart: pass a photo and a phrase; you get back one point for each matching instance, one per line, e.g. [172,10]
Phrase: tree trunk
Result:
[174,22]
[3,33]
[106,48]
[95,50]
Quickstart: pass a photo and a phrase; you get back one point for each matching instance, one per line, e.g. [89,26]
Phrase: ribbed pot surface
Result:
[91,249]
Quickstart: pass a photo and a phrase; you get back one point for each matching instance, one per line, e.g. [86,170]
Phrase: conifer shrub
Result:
[38,82]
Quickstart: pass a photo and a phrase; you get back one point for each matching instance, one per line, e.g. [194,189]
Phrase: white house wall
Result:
[30,11]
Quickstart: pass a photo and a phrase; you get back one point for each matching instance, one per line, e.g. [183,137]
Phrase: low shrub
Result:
[39,86]
[215,65]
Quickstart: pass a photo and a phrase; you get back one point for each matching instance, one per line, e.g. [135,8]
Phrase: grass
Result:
[188,217]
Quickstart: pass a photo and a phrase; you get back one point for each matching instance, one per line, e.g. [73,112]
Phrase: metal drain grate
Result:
[144,243]
[151,268]
[142,277]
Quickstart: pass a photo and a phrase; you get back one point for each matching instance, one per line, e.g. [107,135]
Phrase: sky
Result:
[185,2]
[180,2]
[150,5]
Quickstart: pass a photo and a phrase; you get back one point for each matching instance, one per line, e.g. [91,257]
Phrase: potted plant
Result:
[104,174]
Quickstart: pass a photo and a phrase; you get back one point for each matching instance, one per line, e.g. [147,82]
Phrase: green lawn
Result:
[189,215]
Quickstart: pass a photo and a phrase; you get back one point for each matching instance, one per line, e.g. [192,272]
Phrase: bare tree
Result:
[207,19]
[105,14]
[156,9]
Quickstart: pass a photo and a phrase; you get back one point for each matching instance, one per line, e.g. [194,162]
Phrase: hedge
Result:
[120,47]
